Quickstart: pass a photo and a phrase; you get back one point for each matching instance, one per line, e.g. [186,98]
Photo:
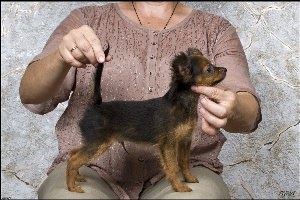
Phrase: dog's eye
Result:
[210,69]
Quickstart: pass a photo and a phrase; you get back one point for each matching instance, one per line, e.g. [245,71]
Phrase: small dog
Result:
[166,122]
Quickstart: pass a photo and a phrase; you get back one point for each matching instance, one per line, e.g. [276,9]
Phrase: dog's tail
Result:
[97,88]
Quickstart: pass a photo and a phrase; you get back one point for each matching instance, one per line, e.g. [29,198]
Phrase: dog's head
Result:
[192,68]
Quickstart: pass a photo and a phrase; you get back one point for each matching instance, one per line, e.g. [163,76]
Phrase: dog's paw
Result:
[80,178]
[76,188]
[183,188]
[191,179]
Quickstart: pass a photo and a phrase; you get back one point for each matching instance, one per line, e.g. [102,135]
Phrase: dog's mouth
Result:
[217,81]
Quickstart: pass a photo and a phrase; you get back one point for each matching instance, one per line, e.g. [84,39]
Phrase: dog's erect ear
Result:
[181,65]
[194,51]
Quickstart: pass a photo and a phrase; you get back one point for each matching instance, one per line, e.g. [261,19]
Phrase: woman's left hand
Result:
[217,109]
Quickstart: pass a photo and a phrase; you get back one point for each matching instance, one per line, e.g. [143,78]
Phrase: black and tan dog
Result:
[166,122]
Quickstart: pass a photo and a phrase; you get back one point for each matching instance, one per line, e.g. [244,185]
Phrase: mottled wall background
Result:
[264,164]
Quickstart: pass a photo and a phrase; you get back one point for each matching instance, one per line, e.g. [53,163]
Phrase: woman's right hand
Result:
[82,46]
[43,78]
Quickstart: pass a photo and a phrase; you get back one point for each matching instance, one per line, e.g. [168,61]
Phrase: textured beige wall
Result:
[264,164]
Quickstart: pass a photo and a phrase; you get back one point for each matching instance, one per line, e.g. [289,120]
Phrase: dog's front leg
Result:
[168,154]
[184,160]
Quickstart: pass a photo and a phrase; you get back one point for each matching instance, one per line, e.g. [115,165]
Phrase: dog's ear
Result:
[194,51]
[181,65]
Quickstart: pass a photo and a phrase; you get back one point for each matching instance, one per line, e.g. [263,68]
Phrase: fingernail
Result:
[193,88]
[202,111]
[203,100]
[101,59]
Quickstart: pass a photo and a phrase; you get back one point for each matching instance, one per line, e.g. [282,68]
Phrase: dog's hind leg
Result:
[168,155]
[78,176]
[184,160]
[80,157]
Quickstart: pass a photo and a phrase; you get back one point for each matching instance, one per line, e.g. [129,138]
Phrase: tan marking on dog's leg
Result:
[184,161]
[80,178]
[170,166]
[80,157]
[75,161]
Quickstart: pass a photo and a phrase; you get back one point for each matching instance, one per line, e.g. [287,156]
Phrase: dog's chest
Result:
[185,130]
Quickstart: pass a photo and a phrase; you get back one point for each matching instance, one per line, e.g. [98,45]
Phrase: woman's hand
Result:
[43,78]
[82,46]
[217,109]
[234,112]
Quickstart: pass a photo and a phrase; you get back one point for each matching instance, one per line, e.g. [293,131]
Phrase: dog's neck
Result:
[183,96]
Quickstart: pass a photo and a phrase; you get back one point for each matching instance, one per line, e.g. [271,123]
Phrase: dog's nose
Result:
[223,70]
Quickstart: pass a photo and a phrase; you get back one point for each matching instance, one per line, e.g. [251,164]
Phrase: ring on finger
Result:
[73,49]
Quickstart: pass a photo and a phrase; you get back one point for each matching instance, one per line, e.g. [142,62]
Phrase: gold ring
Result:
[73,49]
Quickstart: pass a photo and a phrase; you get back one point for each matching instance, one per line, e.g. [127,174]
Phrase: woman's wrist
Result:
[43,78]
[245,112]
[61,62]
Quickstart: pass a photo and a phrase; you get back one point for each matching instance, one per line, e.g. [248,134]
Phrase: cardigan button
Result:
[150,89]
